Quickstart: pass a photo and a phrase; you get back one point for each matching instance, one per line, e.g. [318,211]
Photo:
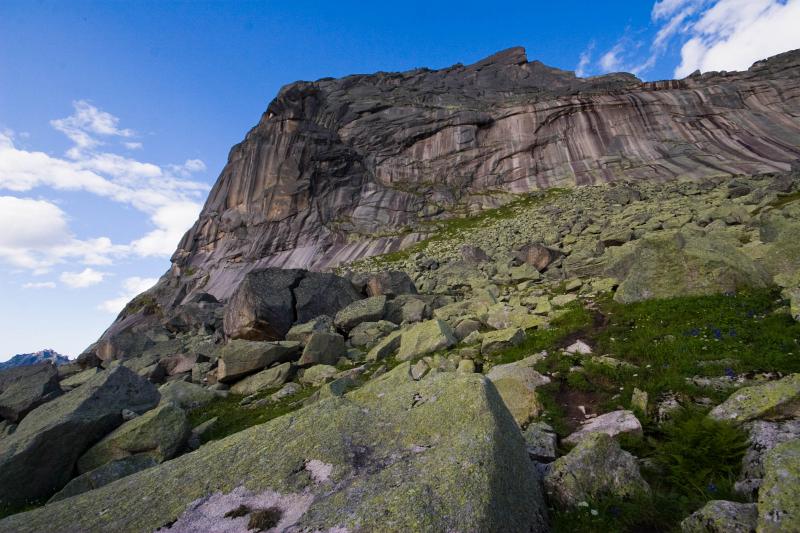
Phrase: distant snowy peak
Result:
[25,359]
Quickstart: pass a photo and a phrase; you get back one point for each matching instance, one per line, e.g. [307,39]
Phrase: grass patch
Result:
[232,417]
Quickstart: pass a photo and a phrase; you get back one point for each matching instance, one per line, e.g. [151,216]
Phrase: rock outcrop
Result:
[378,459]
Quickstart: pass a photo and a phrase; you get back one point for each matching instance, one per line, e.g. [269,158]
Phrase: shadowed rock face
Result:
[335,164]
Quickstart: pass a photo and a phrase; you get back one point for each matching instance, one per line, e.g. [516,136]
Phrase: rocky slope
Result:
[41,356]
[615,356]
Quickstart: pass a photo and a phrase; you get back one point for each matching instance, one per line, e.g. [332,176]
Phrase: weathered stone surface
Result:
[597,467]
[541,442]
[368,334]
[104,475]
[159,433]
[681,263]
[240,358]
[323,348]
[326,456]
[517,383]
[537,255]
[763,437]
[322,294]
[406,309]
[76,380]
[367,310]
[185,395]
[38,458]
[263,306]
[424,338]
[318,374]
[720,516]
[494,341]
[774,400]
[611,424]
[302,332]
[386,347]
[779,496]
[23,388]
[390,283]
[266,379]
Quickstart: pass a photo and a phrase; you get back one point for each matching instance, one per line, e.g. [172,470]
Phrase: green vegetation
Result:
[693,460]
[233,417]
[143,302]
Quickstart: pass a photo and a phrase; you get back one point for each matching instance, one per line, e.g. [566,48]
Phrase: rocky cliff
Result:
[339,169]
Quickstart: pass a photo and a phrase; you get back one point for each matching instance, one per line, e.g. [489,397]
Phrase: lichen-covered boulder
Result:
[185,395]
[39,457]
[367,310]
[322,348]
[517,383]
[541,442]
[104,475]
[774,400]
[779,496]
[368,334]
[597,467]
[386,347]
[266,379]
[302,332]
[720,516]
[23,388]
[159,433]
[503,316]
[320,293]
[407,308]
[424,338]
[379,458]
[318,374]
[680,263]
[611,424]
[240,358]
[494,341]
[763,437]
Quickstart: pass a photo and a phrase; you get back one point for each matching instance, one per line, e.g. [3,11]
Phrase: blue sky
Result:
[116,117]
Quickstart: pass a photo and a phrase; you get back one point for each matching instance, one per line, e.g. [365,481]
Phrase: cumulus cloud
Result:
[584,61]
[36,236]
[132,145]
[131,287]
[169,196]
[83,279]
[734,34]
[708,35]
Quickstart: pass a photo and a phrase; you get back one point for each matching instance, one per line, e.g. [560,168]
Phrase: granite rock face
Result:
[22,388]
[338,169]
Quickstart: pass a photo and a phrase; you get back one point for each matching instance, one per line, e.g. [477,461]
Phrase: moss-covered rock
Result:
[720,516]
[494,341]
[596,468]
[774,400]
[517,383]
[779,496]
[442,454]
[266,379]
[240,358]
[159,433]
[367,310]
[185,395]
[104,475]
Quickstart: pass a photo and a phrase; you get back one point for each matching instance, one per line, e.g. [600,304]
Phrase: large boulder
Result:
[185,395]
[596,468]
[779,496]
[612,424]
[323,348]
[720,516]
[104,475]
[424,338]
[369,309]
[262,307]
[390,283]
[368,334]
[39,457]
[517,383]
[537,255]
[159,434]
[773,400]
[302,332]
[322,294]
[666,264]
[23,388]
[495,341]
[377,459]
[240,358]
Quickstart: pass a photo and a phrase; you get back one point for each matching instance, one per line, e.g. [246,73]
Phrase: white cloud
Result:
[734,34]
[36,236]
[83,279]
[610,61]
[132,145]
[584,61]
[168,195]
[40,285]
[131,288]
